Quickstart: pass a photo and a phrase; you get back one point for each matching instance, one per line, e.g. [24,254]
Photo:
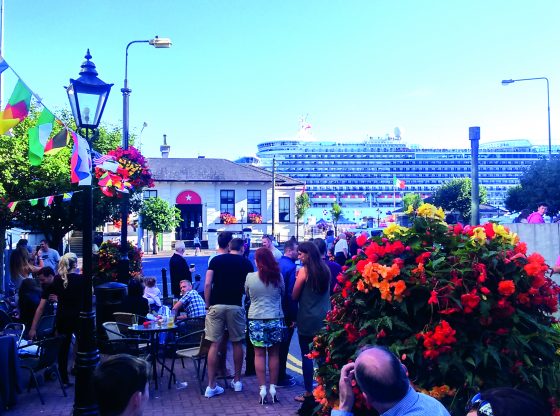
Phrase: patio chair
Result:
[46,360]
[127,319]
[15,329]
[197,352]
[45,327]
[119,343]
[4,319]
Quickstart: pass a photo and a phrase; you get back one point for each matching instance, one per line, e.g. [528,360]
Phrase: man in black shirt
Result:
[223,292]
[52,289]
[178,269]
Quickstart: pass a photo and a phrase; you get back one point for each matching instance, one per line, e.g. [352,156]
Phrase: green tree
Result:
[539,183]
[302,205]
[455,195]
[158,216]
[336,213]
[411,199]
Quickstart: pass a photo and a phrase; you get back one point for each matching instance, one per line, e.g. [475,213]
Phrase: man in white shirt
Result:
[341,249]
[267,243]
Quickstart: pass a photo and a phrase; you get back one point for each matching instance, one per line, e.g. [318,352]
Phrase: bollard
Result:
[164,283]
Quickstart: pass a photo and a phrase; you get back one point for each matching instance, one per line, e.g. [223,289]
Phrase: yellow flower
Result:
[410,209]
[392,229]
[506,234]
[479,235]
[430,211]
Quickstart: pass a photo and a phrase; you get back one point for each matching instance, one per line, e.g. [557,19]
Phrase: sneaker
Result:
[287,382]
[211,392]
[236,385]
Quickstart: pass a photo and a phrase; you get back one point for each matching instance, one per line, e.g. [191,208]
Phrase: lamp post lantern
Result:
[88,96]
[156,42]
[511,81]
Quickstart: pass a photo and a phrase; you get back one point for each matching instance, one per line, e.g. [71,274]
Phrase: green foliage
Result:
[411,199]
[336,212]
[455,195]
[106,266]
[158,216]
[302,205]
[540,183]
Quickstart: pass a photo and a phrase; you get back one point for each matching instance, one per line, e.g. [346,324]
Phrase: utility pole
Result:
[273,194]
[474,137]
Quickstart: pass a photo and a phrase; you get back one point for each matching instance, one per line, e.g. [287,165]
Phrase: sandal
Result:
[301,397]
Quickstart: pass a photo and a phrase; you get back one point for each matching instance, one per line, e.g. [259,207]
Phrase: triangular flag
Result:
[39,136]
[3,65]
[12,205]
[48,200]
[33,201]
[18,104]
[7,124]
[58,142]
[80,163]
[67,196]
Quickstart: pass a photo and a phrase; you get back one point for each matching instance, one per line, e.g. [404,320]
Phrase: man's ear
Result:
[134,403]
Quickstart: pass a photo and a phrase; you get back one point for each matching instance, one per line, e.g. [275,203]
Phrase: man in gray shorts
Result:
[223,292]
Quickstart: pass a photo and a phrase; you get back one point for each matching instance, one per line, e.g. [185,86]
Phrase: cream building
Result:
[204,190]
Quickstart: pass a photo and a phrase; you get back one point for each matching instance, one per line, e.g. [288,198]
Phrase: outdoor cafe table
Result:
[9,371]
[153,329]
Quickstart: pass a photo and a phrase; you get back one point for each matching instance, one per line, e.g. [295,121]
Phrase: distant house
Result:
[219,195]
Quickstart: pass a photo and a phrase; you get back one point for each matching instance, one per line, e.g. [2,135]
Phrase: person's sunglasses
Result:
[482,407]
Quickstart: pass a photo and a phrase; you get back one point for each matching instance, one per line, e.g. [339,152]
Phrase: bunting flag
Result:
[33,201]
[12,205]
[3,65]
[57,143]
[17,108]
[398,183]
[49,200]
[67,196]
[39,136]
[80,164]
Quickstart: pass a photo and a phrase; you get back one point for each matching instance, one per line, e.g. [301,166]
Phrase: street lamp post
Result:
[88,96]
[124,262]
[511,81]
[242,212]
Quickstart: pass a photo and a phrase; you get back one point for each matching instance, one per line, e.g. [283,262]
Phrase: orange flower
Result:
[506,288]
[399,288]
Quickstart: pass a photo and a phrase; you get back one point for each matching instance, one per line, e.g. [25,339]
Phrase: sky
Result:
[242,72]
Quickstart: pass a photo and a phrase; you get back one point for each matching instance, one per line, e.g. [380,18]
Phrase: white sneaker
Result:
[236,385]
[211,392]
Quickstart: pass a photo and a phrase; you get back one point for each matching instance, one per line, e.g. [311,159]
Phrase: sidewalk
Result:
[187,401]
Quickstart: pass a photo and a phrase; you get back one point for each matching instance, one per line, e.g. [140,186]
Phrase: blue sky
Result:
[243,72]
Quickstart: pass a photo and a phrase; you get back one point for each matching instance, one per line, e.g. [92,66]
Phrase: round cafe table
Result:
[153,329]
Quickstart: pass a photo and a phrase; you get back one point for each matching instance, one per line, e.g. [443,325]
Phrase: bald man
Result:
[385,386]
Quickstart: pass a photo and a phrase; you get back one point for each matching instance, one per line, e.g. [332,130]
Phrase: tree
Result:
[302,205]
[158,216]
[455,195]
[539,183]
[336,213]
[411,199]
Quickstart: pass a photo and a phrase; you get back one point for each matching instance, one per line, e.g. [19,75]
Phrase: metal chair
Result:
[15,329]
[4,319]
[46,360]
[45,327]
[119,343]
[197,352]
[127,319]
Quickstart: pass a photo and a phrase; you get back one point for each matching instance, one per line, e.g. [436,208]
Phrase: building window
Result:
[150,193]
[227,201]
[284,209]
[254,202]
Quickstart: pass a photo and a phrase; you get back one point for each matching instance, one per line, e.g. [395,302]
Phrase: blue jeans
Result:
[306,363]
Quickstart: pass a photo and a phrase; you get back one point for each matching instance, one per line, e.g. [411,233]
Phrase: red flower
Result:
[506,288]
[361,239]
[469,302]
[433,298]
[489,230]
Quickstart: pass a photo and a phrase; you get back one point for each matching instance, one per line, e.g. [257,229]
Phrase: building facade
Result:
[217,195]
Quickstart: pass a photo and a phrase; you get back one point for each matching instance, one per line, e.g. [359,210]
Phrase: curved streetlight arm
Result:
[511,81]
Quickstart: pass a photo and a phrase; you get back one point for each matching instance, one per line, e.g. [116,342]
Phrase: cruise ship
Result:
[378,171]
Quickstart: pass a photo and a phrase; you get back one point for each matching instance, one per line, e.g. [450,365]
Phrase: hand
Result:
[53,298]
[345,392]
[31,334]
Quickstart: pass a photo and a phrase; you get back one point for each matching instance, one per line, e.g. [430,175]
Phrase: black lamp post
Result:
[88,96]
[124,262]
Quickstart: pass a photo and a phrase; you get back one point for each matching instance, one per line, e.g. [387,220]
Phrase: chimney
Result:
[164,148]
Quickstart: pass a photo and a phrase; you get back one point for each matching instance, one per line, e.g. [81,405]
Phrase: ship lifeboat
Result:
[389,198]
[352,198]
[323,198]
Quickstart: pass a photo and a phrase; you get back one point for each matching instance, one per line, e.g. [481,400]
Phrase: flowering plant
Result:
[465,308]
[255,218]
[106,269]
[131,172]
[227,218]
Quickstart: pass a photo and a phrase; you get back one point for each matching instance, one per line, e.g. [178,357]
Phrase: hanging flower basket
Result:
[106,268]
[227,218]
[255,218]
[465,308]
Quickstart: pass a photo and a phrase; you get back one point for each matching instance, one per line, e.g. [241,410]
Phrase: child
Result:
[152,293]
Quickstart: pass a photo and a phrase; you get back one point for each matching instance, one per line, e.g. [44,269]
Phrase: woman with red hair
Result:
[265,289]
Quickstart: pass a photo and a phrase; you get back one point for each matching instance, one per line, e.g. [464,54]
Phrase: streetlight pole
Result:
[511,81]
[242,212]
[88,96]
[124,262]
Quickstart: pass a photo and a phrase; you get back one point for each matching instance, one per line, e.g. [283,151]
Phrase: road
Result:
[152,267]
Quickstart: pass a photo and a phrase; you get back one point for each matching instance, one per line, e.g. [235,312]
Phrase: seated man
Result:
[121,385]
[385,386]
[191,303]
